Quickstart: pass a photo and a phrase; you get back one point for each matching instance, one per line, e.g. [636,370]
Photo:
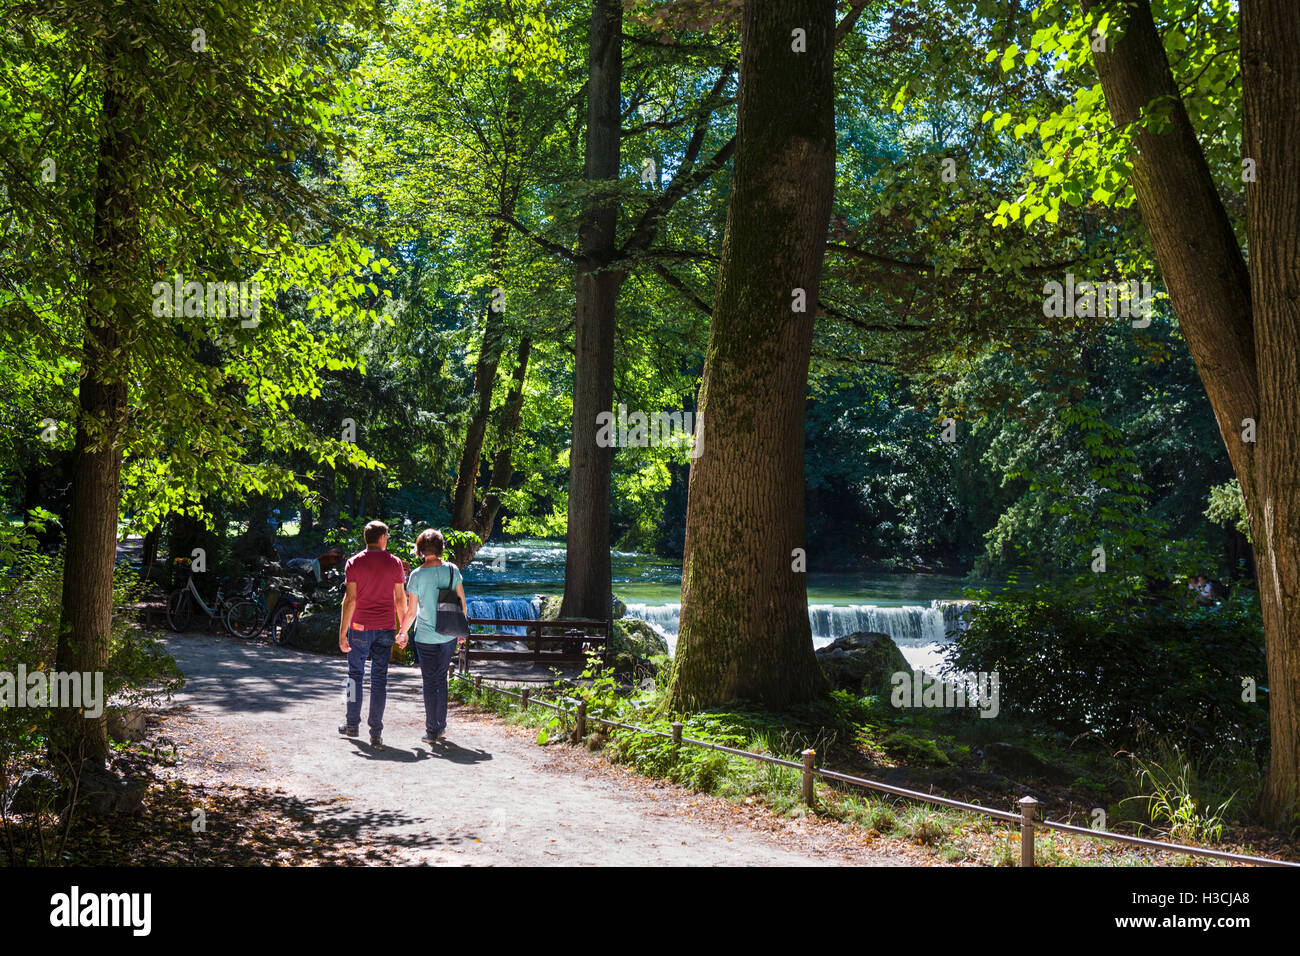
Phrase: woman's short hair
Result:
[430,542]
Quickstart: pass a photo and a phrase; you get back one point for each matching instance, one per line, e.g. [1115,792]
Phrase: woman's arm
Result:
[460,593]
[412,608]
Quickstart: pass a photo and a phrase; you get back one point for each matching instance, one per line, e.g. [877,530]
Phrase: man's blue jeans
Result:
[435,659]
[374,646]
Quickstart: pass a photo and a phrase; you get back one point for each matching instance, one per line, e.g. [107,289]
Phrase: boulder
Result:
[1021,763]
[862,663]
[548,607]
[635,636]
[318,631]
[100,791]
[35,790]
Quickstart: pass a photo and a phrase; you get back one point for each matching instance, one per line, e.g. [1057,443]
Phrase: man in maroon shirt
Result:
[375,601]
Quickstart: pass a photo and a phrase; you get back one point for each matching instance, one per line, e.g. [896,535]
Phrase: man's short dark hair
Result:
[430,542]
[374,531]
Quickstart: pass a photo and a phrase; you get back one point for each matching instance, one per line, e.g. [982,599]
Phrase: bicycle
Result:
[181,604]
[248,617]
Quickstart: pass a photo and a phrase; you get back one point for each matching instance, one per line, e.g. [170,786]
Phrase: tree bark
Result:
[485,516]
[587,591]
[744,622]
[87,600]
[1240,324]
[485,374]
[1270,69]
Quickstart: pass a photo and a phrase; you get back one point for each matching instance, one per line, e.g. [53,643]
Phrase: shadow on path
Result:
[451,752]
[253,677]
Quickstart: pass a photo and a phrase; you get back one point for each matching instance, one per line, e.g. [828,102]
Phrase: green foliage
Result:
[1177,800]
[139,669]
[1115,664]
[1227,507]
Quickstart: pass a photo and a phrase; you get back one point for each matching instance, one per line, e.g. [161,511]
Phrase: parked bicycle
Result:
[248,617]
[185,600]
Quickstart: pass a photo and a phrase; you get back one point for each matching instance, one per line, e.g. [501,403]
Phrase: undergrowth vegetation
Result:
[1165,795]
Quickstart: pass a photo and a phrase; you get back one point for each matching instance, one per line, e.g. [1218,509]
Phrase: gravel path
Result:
[266,717]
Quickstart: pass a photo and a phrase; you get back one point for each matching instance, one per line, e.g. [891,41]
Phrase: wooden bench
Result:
[563,641]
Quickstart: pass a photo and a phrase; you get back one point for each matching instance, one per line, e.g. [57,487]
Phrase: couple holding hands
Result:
[379,593]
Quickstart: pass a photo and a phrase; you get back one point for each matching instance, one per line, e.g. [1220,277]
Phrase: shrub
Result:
[1107,663]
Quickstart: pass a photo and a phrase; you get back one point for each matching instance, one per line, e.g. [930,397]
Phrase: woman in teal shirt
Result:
[433,650]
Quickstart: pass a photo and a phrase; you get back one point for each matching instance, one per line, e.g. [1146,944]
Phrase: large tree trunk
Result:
[587,565]
[87,600]
[1270,69]
[744,620]
[1240,325]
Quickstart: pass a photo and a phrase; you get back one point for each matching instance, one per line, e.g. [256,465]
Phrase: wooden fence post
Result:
[523,699]
[1027,807]
[808,757]
[677,735]
[582,719]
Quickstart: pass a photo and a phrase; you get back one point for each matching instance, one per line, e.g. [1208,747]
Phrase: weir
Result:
[912,627]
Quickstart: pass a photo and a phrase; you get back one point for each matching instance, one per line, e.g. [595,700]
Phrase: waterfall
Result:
[911,626]
[504,609]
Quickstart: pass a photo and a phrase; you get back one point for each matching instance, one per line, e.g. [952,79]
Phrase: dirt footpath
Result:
[267,717]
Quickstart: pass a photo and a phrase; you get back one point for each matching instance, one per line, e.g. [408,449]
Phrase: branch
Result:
[864,325]
[687,177]
[926,268]
[552,247]
[666,274]
[850,20]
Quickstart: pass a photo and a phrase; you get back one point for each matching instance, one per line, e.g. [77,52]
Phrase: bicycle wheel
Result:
[180,608]
[285,623]
[244,619]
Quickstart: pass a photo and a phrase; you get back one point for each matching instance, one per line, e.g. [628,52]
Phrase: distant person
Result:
[434,584]
[1209,592]
[374,603]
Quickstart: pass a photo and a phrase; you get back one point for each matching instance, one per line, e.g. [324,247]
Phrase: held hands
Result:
[402,637]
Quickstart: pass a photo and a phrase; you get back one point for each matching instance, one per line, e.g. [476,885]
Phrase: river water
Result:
[917,611]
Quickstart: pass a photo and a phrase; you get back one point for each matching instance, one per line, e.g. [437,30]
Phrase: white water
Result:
[920,631]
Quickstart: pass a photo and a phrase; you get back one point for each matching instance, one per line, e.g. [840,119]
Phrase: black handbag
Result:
[450,619]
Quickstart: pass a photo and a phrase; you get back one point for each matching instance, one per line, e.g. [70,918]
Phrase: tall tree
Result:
[587,568]
[112,275]
[1241,322]
[744,620]
[164,123]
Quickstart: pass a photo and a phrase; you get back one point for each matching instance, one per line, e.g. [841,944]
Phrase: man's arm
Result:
[399,600]
[345,619]
[412,609]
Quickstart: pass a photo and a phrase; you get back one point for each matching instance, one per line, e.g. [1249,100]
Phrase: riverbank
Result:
[943,754]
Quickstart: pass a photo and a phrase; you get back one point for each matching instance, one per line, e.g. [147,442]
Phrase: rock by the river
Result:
[862,663]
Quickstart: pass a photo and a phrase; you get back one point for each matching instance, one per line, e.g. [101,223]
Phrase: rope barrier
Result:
[1024,819]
